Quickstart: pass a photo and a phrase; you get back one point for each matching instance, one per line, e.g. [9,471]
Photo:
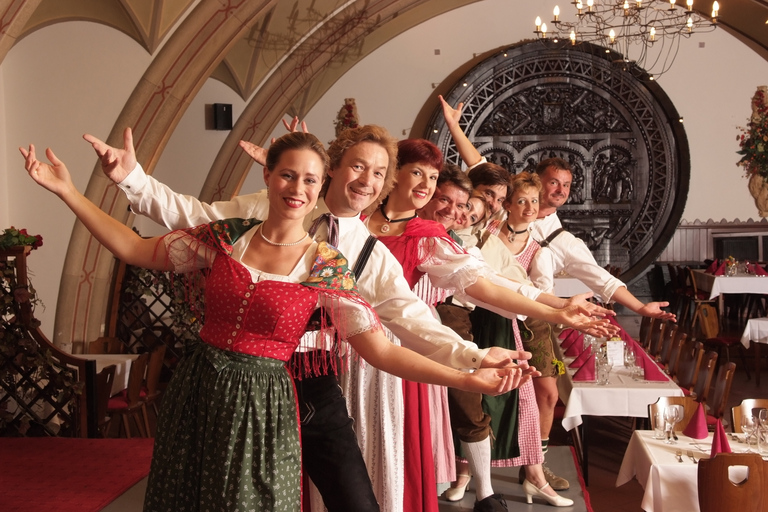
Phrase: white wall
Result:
[56,84]
[54,93]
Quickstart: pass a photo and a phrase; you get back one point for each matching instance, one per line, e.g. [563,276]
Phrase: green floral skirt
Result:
[227,436]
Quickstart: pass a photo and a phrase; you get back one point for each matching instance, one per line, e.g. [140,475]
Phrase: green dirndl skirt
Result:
[227,436]
[490,329]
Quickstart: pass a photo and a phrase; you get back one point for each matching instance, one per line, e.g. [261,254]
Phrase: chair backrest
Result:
[722,390]
[682,277]
[670,335]
[646,327]
[706,374]
[709,321]
[154,367]
[689,404]
[136,379]
[104,380]
[675,350]
[106,345]
[657,336]
[692,281]
[745,408]
[689,364]
[717,491]
[673,277]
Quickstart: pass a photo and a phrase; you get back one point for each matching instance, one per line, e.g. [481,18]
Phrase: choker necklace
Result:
[270,242]
[385,227]
[512,233]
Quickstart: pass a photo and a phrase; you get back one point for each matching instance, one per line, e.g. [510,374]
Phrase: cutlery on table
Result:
[693,459]
[679,455]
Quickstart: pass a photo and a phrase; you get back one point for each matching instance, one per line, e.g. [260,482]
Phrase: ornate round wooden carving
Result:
[619,131]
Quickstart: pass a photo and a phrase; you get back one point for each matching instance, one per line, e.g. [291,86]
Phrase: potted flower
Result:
[753,142]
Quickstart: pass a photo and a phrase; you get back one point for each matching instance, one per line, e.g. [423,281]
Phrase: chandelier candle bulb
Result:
[556,13]
[653,34]
[612,36]
[715,9]
[573,38]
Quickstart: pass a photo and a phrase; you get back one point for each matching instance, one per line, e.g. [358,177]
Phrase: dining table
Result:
[621,396]
[718,286]
[122,364]
[670,482]
[756,334]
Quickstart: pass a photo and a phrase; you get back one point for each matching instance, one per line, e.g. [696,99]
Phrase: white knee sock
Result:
[479,458]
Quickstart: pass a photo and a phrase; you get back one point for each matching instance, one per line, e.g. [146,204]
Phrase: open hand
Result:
[494,381]
[54,176]
[591,308]
[116,163]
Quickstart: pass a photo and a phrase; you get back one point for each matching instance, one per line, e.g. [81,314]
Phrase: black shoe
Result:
[493,503]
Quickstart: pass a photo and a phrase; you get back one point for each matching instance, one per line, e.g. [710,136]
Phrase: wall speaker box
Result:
[222,116]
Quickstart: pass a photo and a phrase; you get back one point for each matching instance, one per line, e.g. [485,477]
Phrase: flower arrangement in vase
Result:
[753,142]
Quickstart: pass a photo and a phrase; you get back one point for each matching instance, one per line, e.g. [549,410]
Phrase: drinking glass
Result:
[749,427]
[629,358]
[672,416]
[762,440]
[659,426]
[603,373]
[762,417]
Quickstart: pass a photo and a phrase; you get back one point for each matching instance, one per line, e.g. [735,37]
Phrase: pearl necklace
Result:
[270,242]
[385,227]
[512,233]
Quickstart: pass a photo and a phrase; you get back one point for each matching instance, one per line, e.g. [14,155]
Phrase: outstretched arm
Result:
[375,348]
[118,238]
[651,309]
[467,150]
[485,293]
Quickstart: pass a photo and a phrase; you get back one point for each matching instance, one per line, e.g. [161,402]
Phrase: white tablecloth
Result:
[122,363]
[621,397]
[670,486]
[756,331]
[718,285]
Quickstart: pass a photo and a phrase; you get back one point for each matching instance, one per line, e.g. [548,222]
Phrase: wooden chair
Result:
[106,345]
[704,379]
[699,299]
[710,328]
[746,408]
[688,366]
[129,403]
[658,327]
[675,350]
[716,404]
[665,346]
[646,327]
[689,405]
[151,392]
[718,493]
[104,380]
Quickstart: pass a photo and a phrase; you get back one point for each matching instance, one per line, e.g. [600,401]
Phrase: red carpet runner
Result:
[69,475]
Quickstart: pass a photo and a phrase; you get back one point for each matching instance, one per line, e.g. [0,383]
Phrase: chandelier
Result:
[645,34]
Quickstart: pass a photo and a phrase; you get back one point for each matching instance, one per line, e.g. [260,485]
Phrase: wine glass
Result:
[762,417]
[748,426]
[629,358]
[672,417]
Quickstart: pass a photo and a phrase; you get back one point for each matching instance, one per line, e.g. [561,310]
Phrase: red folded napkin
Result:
[579,361]
[575,349]
[571,340]
[587,372]
[720,441]
[567,334]
[712,266]
[653,372]
[720,270]
[758,270]
[697,427]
